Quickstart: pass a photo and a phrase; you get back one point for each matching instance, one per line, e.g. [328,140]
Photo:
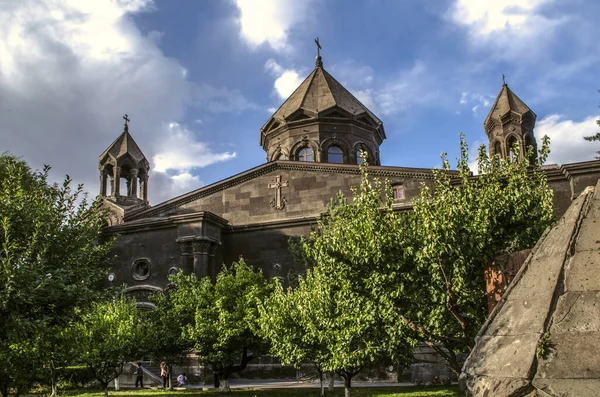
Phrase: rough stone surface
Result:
[549,318]
[567,387]
[496,387]
[504,356]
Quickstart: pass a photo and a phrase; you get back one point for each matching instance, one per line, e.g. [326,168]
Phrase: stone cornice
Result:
[378,171]
[164,222]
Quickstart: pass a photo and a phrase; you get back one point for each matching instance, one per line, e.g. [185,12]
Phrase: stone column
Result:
[103,179]
[187,255]
[145,187]
[201,250]
[117,182]
[133,174]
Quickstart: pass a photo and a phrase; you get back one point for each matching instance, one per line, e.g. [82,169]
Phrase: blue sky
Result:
[199,78]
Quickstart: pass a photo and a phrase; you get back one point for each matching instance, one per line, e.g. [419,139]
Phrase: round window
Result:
[141,269]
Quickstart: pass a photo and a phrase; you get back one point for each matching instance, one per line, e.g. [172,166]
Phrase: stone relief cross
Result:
[278,202]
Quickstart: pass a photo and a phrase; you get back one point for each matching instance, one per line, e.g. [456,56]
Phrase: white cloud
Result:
[566,138]
[287,80]
[182,152]
[476,102]
[513,27]
[270,21]
[69,69]
[487,17]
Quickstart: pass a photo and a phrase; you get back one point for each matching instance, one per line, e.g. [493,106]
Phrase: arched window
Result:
[511,145]
[361,156]
[498,149]
[305,154]
[335,155]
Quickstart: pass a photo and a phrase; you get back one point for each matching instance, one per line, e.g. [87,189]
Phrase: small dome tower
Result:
[124,160]
[510,122]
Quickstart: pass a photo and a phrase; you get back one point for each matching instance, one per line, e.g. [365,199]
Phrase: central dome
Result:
[322,121]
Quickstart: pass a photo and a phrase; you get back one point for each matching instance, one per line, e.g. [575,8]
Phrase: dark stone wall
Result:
[307,195]
[157,245]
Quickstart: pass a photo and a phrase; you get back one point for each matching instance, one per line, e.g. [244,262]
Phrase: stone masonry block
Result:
[517,317]
[582,271]
[568,387]
[571,355]
[502,356]
[577,312]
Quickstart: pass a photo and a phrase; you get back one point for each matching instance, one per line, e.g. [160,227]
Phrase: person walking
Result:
[139,376]
[164,374]
[181,379]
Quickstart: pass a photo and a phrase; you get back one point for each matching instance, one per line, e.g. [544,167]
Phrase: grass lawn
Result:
[453,391]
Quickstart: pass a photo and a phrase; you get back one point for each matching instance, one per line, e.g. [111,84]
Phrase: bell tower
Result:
[510,122]
[123,161]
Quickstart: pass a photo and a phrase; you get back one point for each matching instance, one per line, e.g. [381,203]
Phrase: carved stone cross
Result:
[278,202]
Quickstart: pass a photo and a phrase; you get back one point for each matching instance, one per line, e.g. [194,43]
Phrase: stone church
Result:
[313,146]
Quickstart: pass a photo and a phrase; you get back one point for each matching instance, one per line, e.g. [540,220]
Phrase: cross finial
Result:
[503,79]
[126,118]
[319,61]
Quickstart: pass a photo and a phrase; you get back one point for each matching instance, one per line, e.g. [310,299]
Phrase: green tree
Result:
[357,247]
[164,340]
[459,226]
[224,317]
[595,137]
[110,334]
[283,321]
[421,271]
[52,261]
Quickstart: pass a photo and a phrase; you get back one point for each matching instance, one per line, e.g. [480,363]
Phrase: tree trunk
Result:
[52,382]
[106,391]
[170,375]
[224,387]
[322,384]
[331,381]
[347,385]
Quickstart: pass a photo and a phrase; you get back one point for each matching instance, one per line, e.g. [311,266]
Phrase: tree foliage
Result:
[221,319]
[458,227]
[163,338]
[420,273]
[109,334]
[52,261]
[334,317]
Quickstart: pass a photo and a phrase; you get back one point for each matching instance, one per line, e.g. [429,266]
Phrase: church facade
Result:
[314,144]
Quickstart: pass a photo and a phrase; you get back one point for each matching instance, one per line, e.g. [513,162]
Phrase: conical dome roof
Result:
[124,144]
[317,94]
[507,102]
